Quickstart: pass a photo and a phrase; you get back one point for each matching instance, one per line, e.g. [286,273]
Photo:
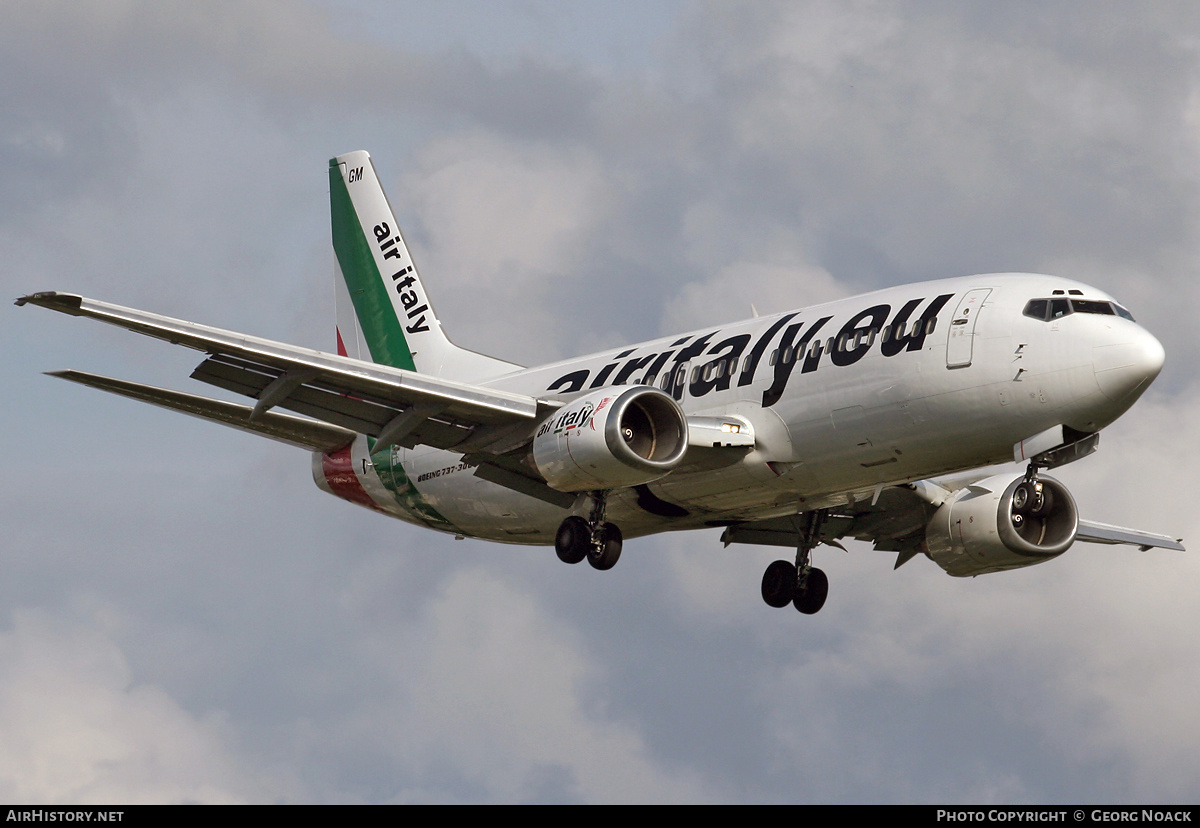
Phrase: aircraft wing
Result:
[345,395]
[1093,532]
[896,522]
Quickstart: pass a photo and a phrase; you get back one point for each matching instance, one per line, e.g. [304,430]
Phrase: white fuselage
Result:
[893,386]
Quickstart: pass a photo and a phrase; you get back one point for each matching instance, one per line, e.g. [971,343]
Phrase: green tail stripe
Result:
[372,302]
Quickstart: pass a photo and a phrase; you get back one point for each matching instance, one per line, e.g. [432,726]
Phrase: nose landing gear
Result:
[578,538]
[801,584]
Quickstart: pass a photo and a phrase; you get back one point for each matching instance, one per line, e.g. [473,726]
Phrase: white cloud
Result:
[506,693]
[739,289]
[505,211]
[78,729]
[501,223]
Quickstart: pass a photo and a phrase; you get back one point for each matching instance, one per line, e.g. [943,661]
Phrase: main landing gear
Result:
[801,584]
[578,538]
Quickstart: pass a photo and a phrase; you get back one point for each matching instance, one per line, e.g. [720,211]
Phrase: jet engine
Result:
[612,438]
[1002,523]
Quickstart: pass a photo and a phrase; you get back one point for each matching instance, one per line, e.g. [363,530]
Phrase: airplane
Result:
[855,418]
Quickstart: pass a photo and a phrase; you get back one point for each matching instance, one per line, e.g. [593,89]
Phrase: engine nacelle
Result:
[615,437]
[1002,523]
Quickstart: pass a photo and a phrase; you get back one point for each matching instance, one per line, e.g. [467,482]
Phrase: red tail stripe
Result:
[338,468]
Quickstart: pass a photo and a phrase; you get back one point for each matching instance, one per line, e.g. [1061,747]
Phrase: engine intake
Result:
[612,438]
[1002,523]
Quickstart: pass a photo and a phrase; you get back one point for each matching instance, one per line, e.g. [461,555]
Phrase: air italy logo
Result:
[405,279]
[734,359]
[571,420]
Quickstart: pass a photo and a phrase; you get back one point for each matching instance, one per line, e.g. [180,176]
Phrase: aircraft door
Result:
[961,340]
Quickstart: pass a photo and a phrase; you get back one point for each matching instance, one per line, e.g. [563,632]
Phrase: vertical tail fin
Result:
[393,317]
[384,313]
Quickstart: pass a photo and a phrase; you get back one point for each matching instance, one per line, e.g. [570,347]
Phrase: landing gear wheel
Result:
[1043,504]
[605,554]
[1032,498]
[573,540]
[816,590]
[779,584]
[1021,496]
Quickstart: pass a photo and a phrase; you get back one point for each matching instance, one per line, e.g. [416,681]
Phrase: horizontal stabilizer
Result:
[286,428]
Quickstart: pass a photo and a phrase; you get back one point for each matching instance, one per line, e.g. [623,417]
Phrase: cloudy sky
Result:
[185,617]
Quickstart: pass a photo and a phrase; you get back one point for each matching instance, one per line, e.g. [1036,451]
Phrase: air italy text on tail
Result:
[383,310]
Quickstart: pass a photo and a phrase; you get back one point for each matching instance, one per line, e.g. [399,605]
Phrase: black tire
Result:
[1044,503]
[610,551]
[1022,496]
[573,540]
[779,584]
[815,592]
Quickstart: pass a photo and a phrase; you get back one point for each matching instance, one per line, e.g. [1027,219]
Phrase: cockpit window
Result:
[1057,308]
[1085,306]
[1037,308]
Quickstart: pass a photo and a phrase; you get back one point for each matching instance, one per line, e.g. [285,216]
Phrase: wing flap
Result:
[362,416]
[286,428]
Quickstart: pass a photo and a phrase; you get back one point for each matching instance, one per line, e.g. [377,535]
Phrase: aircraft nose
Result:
[1127,363]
